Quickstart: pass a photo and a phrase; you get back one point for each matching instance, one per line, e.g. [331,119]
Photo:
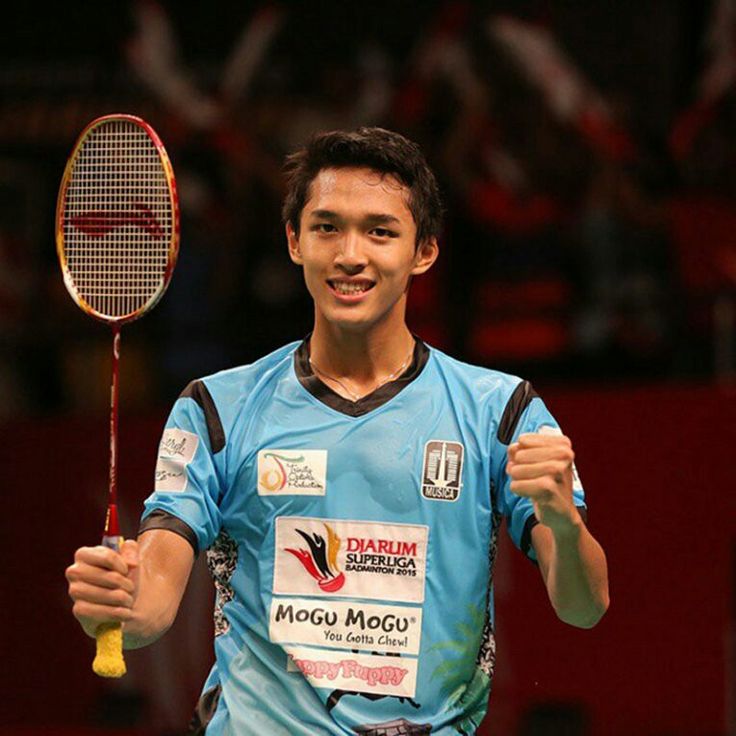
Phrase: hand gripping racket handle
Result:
[109,660]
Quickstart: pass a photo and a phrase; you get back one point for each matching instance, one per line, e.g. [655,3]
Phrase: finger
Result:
[537,490]
[545,453]
[100,577]
[536,439]
[81,591]
[555,469]
[100,556]
[87,612]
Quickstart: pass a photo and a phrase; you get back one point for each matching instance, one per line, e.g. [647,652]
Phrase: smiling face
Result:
[357,245]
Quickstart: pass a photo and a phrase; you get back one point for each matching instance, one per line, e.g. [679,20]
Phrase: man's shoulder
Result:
[480,379]
[228,384]
[503,395]
[223,398]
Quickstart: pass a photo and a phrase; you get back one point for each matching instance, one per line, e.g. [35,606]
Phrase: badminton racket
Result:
[117,238]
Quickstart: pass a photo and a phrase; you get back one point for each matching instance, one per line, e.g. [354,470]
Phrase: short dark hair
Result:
[383,151]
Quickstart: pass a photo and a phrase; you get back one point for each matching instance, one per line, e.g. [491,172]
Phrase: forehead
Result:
[358,190]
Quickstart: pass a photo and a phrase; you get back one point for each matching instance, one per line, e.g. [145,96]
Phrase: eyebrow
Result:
[372,218]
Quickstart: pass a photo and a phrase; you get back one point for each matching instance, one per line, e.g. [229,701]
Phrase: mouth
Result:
[350,289]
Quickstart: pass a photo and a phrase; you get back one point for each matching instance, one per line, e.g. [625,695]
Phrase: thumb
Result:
[129,553]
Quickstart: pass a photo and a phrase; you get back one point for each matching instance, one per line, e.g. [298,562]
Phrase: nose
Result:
[350,256]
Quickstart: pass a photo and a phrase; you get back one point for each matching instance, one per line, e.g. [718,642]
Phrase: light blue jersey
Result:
[352,544]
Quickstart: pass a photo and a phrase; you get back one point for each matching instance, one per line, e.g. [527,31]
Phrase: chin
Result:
[357,318]
[350,324]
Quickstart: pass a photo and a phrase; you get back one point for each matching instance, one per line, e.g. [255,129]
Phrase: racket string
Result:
[118,220]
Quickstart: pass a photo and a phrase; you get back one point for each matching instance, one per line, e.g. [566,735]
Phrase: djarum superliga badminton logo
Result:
[320,560]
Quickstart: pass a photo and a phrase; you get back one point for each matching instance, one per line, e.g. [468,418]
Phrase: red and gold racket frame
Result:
[109,660]
[174,201]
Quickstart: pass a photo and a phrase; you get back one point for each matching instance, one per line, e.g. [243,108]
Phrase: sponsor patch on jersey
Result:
[346,625]
[355,559]
[292,472]
[361,673]
[548,429]
[442,470]
[175,452]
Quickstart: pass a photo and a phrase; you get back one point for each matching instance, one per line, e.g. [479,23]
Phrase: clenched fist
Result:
[540,466]
[103,584]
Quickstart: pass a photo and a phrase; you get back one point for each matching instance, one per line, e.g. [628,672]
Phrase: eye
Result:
[384,232]
[323,227]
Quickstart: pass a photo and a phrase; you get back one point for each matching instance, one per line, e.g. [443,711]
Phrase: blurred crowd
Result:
[586,163]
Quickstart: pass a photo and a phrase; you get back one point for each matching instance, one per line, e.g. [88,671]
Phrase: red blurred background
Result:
[658,481]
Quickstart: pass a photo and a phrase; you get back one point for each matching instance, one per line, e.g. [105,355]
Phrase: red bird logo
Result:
[320,561]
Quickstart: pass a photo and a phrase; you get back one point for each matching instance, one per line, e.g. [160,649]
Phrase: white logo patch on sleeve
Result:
[363,673]
[175,452]
[292,472]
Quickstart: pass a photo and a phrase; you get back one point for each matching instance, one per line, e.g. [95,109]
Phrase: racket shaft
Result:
[109,660]
[114,394]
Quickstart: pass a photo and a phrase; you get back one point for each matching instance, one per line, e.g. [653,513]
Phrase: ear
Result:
[425,256]
[295,252]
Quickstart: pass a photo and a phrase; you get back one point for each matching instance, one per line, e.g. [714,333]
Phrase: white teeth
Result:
[343,287]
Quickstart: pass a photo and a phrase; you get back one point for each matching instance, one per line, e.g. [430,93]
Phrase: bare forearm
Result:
[166,561]
[575,573]
[153,613]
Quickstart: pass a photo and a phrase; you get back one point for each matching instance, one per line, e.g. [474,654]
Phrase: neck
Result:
[363,357]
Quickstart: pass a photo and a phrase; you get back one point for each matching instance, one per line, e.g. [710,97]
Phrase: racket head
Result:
[117,219]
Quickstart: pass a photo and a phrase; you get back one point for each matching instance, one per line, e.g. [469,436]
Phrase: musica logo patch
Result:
[350,558]
[442,470]
[292,472]
[319,558]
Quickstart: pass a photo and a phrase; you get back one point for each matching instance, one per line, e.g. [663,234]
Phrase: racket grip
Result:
[109,660]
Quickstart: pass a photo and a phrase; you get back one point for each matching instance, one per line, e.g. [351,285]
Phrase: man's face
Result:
[357,244]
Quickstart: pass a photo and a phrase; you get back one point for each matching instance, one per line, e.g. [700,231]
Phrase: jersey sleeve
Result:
[525,413]
[187,486]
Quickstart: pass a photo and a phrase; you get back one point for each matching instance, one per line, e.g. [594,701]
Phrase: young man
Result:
[349,489]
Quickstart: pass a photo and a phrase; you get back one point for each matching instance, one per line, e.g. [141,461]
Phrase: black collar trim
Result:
[373,400]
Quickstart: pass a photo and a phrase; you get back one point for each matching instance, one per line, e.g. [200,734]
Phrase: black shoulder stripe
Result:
[520,399]
[198,391]
[160,519]
[204,712]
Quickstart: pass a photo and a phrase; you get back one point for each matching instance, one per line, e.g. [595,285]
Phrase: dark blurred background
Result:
[586,155]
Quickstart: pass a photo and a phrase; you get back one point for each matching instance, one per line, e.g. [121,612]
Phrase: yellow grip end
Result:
[109,661]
